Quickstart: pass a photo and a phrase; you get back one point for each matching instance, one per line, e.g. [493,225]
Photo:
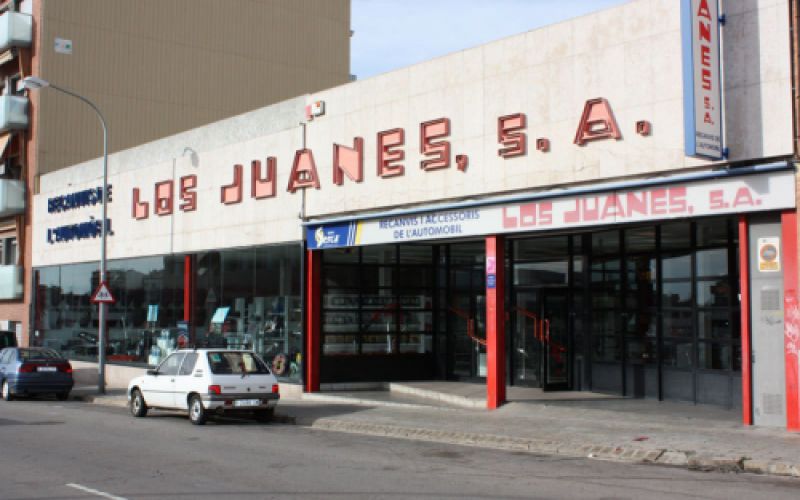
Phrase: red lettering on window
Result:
[304,171]
[388,140]
[509,135]
[164,196]
[439,151]
[188,195]
[263,186]
[348,161]
[140,209]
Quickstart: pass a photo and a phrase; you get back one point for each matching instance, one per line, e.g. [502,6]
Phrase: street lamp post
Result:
[34,83]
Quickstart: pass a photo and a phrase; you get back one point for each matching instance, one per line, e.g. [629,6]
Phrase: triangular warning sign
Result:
[103,295]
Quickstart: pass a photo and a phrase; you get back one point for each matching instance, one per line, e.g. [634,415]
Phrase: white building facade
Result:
[602,204]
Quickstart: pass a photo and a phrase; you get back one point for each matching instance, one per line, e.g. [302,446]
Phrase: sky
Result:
[392,34]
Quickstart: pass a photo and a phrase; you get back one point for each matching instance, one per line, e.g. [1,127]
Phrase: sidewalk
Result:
[583,425]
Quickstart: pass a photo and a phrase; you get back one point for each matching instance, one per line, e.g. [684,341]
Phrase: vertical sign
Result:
[702,103]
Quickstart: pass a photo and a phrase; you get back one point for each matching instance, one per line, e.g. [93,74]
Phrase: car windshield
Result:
[38,354]
[235,363]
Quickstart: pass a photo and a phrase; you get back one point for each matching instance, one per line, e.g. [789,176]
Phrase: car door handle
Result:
[172,380]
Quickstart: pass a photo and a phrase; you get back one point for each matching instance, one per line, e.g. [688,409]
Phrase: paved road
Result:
[75,450]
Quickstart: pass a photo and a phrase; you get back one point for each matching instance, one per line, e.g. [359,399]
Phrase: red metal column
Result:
[495,323]
[791,311]
[188,280]
[313,317]
[744,304]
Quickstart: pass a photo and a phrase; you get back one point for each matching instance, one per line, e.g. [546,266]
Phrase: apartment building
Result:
[154,68]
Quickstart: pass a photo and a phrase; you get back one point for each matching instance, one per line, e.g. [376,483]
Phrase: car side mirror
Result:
[152,372]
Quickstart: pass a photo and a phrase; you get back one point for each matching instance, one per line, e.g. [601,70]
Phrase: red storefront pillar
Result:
[791,323]
[313,318]
[744,304]
[495,322]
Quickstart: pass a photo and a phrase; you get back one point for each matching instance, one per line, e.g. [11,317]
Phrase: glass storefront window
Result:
[389,311]
[712,233]
[713,293]
[714,325]
[676,266]
[250,299]
[416,254]
[640,239]
[714,356]
[712,262]
[678,324]
[678,354]
[676,235]
[143,325]
[677,294]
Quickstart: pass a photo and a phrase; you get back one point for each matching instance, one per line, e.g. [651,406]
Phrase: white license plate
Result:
[46,369]
[247,402]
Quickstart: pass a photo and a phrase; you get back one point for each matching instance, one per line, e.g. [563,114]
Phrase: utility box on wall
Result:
[767,313]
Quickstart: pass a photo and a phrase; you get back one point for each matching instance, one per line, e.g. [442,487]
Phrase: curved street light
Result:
[35,83]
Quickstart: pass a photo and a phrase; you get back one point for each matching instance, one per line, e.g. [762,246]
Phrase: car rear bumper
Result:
[25,387]
[228,402]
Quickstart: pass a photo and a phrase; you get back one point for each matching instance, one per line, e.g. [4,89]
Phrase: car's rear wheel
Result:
[62,396]
[6,391]
[264,415]
[197,414]
[138,406]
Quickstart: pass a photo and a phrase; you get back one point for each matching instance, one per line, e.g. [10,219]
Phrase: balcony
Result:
[16,30]
[13,112]
[12,197]
[10,282]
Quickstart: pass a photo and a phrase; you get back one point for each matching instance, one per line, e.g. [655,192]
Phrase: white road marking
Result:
[95,492]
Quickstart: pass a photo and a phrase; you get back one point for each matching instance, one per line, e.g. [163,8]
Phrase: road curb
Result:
[691,460]
[688,459]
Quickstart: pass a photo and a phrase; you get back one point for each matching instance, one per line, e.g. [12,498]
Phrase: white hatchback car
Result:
[206,381]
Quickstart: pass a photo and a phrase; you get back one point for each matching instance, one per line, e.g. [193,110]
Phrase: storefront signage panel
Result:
[759,192]
[701,79]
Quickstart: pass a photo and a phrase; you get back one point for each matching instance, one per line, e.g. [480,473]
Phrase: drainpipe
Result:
[303,279]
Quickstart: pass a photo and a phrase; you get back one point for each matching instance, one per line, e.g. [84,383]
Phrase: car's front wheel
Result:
[138,406]
[7,391]
[197,413]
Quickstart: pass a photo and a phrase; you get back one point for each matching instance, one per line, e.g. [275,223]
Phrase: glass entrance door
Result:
[555,337]
[541,338]
[466,313]
[540,350]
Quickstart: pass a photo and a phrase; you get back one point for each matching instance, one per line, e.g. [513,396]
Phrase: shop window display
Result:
[142,323]
[243,299]
[250,299]
[379,307]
